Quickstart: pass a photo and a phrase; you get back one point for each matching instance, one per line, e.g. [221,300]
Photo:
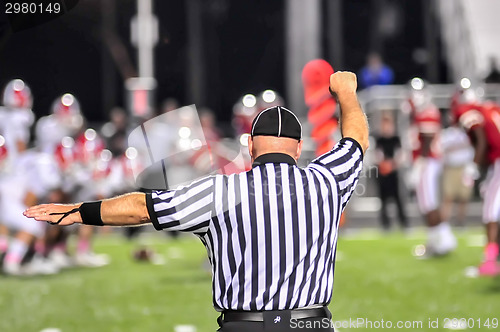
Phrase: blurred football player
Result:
[16,119]
[482,123]
[216,155]
[457,185]
[4,231]
[27,177]
[62,134]
[94,160]
[65,120]
[34,177]
[115,131]
[427,167]
[54,135]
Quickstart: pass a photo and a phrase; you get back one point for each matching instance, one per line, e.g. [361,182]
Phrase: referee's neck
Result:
[263,145]
[275,158]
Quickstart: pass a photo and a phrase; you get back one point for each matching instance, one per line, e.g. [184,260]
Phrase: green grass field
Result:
[376,278]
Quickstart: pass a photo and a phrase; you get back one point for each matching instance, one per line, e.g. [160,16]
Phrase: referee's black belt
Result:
[258,316]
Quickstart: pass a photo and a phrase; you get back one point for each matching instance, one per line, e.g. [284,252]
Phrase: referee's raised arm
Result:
[353,121]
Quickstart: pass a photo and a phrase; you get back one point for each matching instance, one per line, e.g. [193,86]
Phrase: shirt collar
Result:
[276,158]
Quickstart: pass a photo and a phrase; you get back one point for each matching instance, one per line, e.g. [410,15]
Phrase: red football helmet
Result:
[17,94]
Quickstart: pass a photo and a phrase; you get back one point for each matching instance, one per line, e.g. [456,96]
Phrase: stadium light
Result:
[196,144]
[269,96]
[18,85]
[67,99]
[465,83]
[106,155]
[417,83]
[90,134]
[131,153]
[249,100]
[67,142]
[184,132]
[244,139]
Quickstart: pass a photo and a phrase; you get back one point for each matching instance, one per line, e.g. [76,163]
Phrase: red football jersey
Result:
[486,116]
[426,122]
[65,156]
[88,147]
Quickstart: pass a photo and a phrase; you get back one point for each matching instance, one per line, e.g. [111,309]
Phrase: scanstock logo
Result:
[174,149]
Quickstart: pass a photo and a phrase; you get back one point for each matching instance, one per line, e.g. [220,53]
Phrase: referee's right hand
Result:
[343,82]
[53,213]
[353,120]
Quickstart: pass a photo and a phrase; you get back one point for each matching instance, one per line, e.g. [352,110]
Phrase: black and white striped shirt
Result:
[270,232]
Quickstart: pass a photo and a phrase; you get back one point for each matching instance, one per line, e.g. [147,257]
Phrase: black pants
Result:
[389,187]
[317,324]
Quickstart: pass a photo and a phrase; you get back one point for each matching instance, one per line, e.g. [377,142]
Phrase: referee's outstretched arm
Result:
[353,121]
[125,210]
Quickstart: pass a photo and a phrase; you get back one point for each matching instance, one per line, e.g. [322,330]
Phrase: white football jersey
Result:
[50,132]
[15,127]
[39,172]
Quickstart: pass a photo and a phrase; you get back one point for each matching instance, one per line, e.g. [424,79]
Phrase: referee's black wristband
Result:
[91,213]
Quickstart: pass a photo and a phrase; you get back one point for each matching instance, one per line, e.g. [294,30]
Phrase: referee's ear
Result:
[250,146]
[299,149]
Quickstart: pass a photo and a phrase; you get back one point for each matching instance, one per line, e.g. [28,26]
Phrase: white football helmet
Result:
[17,94]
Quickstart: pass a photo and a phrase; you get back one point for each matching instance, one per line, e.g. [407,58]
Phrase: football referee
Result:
[271,232]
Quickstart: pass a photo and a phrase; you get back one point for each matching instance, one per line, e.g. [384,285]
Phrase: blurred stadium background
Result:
[231,59]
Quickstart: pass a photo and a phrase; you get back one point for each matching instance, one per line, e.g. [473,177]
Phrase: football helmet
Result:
[17,94]
[66,105]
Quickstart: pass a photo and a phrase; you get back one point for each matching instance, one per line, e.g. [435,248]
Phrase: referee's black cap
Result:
[277,121]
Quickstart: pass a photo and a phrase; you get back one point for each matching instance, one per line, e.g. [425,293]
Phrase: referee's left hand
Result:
[52,213]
